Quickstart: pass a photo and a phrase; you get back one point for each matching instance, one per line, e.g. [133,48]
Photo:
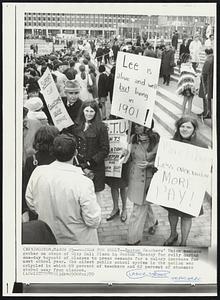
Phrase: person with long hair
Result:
[144,144]
[186,132]
[92,143]
[43,146]
[83,78]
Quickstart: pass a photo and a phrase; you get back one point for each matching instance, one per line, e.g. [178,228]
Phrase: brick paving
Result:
[114,232]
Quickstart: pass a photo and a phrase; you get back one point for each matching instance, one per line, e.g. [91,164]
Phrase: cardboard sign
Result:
[182,177]
[135,86]
[118,142]
[54,102]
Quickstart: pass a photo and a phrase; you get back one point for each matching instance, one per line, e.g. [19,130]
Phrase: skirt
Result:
[118,183]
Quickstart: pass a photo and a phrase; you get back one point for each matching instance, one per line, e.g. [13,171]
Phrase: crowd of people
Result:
[64,172]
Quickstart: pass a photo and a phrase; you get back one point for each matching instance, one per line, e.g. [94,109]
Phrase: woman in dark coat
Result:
[43,144]
[184,48]
[186,128]
[92,143]
[167,63]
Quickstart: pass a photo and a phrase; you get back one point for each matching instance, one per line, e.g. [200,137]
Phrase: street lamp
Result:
[132,29]
[148,35]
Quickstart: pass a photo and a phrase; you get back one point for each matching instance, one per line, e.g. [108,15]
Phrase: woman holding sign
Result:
[144,145]
[186,128]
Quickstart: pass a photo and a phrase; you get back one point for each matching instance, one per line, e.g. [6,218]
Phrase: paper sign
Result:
[182,177]
[118,142]
[135,86]
[54,102]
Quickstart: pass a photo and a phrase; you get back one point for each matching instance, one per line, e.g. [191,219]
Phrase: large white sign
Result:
[182,177]
[54,102]
[118,142]
[135,86]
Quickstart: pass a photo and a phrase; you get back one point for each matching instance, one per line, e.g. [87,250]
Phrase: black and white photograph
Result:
[115,130]
[79,53]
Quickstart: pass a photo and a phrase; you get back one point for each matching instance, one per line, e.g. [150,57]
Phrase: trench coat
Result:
[167,62]
[64,198]
[139,179]
[206,82]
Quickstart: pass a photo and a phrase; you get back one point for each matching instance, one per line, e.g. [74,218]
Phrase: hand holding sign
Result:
[142,164]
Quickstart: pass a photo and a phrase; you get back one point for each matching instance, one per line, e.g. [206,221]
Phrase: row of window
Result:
[100,17]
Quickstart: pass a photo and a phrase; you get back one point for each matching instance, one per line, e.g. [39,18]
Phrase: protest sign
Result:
[54,102]
[135,86]
[182,177]
[118,142]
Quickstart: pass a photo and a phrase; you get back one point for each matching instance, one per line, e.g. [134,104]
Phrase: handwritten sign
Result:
[135,87]
[182,177]
[54,102]
[118,141]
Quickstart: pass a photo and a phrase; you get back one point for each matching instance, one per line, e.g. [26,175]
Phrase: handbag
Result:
[89,84]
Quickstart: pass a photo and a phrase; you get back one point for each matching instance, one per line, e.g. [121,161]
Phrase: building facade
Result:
[106,25]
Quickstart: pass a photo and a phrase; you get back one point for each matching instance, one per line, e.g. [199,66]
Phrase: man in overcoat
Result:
[206,84]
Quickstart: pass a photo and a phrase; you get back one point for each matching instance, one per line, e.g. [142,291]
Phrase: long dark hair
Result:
[96,121]
[153,136]
[177,136]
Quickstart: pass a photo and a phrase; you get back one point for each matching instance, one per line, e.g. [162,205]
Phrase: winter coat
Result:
[206,83]
[195,48]
[93,148]
[73,110]
[167,62]
[103,85]
[139,179]
[99,54]
[186,80]
[175,40]
[183,49]
[84,93]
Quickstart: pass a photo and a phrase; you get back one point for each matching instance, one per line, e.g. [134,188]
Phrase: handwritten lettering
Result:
[121,76]
[54,103]
[142,94]
[46,81]
[130,65]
